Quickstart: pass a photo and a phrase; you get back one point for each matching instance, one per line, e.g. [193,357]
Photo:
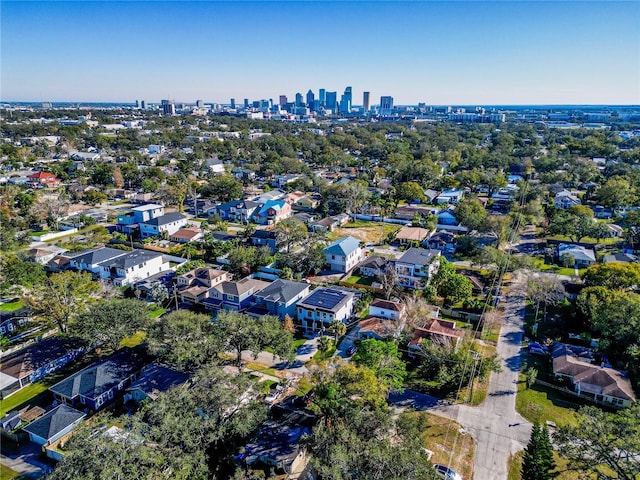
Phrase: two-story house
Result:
[43,180]
[236,210]
[272,212]
[323,306]
[279,298]
[344,254]
[90,260]
[168,223]
[264,238]
[385,320]
[416,267]
[133,266]
[237,296]
[129,222]
[565,199]
[194,285]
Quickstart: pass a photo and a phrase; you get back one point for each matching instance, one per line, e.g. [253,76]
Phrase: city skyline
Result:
[498,53]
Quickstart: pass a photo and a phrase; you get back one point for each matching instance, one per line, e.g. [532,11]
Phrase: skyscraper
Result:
[233,103]
[246,103]
[322,96]
[199,103]
[299,102]
[348,95]
[283,100]
[365,101]
[331,101]
[168,107]
[386,105]
[310,98]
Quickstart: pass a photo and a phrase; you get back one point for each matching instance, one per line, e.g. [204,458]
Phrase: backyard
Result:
[367,232]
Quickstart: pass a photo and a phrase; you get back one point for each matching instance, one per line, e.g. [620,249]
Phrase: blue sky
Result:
[455,52]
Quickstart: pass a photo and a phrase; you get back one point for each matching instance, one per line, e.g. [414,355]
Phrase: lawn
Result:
[7,474]
[561,472]
[605,241]
[368,232]
[157,312]
[540,264]
[258,367]
[442,436]
[356,280]
[11,306]
[539,404]
[134,340]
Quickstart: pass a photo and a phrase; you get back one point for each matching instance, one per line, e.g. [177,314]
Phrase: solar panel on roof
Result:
[325,298]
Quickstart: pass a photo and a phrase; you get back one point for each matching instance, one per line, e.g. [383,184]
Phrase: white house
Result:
[132,267]
[565,199]
[386,309]
[416,267]
[344,254]
[169,223]
[323,306]
[450,196]
[582,257]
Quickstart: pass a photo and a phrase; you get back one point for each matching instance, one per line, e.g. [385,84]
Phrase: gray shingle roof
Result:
[54,422]
[418,256]
[103,376]
[131,259]
[157,378]
[97,255]
[165,219]
[282,291]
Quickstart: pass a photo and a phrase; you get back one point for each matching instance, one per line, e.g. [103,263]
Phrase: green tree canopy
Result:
[384,359]
[537,462]
[471,213]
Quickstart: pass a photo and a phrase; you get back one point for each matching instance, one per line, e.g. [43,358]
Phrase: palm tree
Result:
[189,250]
[338,327]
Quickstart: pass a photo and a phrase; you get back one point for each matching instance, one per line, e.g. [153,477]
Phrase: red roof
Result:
[42,176]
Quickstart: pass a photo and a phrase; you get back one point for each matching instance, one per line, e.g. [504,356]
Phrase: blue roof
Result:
[343,246]
[275,204]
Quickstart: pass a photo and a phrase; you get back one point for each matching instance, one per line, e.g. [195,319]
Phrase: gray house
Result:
[279,298]
[54,425]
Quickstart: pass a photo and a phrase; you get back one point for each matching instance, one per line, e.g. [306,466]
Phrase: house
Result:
[408,212]
[387,309]
[431,195]
[54,425]
[323,306]
[154,379]
[621,257]
[447,217]
[11,321]
[452,197]
[147,288]
[279,447]
[97,385]
[132,267]
[416,267]
[600,384]
[236,210]
[129,221]
[565,199]
[243,174]
[35,362]
[375,266]
[187,234]
[615,231]
[279,181]
[308,202]
[582,256]
[344,254]
[237,296]
[168,223]
[408,235]
[264,238]
[305,217]
[44,255]
[443,241]
[436,330]
[377,328]
[194,285]
[215,166]
[279,298]
[43,180]
[324,225]
[272,212]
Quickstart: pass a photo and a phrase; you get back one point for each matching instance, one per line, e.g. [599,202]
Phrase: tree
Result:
[94,197]
[617,192]
[325,344]
[471,213]
[17,275]
[537,462]
[108,323]
[224,188]
[455,289]
[183,339]
[289,232]
[544,290]
[338,327]
[62,296]
[238,332]
[288,324]
[410,191]
[531,374]
[603,443]
[613,275]
[384,359]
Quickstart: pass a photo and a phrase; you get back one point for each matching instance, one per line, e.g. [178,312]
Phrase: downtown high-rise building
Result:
[346,100]
[310,98]
[282,100]
[322,96]
[168,107]
[331,101]
[386,105]
[233,103]
[299,101]
[365,101]
[246,103]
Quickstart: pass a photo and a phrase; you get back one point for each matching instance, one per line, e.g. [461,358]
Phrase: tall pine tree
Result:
[538,460]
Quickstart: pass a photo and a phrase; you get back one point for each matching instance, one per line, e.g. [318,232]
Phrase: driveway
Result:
[27,462]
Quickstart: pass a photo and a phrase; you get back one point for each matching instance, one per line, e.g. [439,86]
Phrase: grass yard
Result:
[356,280]
[34,394]
[539,404]
[442,437]
[258,367]
[7,474]
[11,306]
[604,241]
[134,340]
[157,312]
[368,232]
[561,472]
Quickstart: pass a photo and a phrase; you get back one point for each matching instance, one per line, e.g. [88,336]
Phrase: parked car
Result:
[351,350]
[445,472]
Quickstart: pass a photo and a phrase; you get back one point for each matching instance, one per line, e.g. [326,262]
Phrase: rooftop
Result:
[54,422]
[343,246]
[166,219]
[158,378]
[418,256]
[282,291]
[326,299]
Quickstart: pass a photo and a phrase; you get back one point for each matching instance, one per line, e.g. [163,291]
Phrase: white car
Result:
[445,472]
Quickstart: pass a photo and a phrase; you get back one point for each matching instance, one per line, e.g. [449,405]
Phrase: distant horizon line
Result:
[240,104]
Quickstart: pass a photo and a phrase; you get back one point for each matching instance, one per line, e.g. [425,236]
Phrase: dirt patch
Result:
[374,233]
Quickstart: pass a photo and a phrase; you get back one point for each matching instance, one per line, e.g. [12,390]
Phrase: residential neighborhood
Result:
[281,276]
